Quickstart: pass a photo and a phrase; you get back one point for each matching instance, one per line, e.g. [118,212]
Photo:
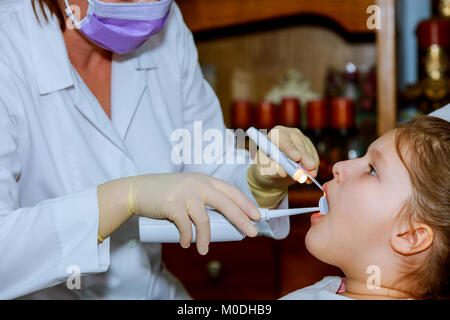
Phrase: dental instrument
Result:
[222,230]
[292,168]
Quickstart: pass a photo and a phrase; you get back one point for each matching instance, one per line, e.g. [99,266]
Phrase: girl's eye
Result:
[373,172]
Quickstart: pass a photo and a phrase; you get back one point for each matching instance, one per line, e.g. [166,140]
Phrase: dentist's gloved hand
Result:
[267,179]
[179,197]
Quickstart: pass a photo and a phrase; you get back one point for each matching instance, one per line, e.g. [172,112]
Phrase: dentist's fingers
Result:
[200,218]
[281,138]
[239,197]
[315,153]
[290,149]
[314,156]
[275,134]
[180,218]
[230,209]
[314,171]
[296,146]
[307,155]
[316,160]
[263,159]
[270,168]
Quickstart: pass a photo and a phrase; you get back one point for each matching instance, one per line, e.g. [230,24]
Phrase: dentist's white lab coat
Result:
[57,144]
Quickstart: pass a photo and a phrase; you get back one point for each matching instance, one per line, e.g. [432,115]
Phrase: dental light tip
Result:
[323,205]
[300,176]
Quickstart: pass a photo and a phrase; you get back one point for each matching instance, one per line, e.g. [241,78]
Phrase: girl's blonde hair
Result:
[423,146]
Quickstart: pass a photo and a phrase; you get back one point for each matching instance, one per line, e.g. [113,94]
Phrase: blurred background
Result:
[342,71]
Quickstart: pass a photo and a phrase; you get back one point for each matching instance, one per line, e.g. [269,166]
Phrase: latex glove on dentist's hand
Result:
[178,197]
[267,179]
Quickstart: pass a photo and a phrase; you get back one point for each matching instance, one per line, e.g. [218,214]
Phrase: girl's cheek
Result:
[355,206]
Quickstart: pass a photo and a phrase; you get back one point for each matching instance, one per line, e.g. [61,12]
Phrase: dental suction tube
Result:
[165,231]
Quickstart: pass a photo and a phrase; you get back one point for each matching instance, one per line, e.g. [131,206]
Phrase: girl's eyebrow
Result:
[377,154]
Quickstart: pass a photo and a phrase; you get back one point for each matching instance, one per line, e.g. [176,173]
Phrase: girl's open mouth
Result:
[316,216]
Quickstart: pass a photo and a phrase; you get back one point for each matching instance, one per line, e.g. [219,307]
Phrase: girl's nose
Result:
[339,170]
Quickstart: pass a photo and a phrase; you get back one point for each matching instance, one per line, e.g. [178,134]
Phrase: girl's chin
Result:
[315,243]
[311,241]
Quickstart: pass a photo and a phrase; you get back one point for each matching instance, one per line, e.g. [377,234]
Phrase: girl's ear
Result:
[413,239]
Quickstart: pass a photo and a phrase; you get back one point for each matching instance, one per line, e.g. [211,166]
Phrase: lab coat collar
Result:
[49,53]
[127,87]
[143,59]
[124,102]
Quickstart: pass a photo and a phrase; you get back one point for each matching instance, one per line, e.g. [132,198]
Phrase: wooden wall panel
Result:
[386,72]
[209,14]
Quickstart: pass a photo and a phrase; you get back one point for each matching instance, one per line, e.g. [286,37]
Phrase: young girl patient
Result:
[388,226]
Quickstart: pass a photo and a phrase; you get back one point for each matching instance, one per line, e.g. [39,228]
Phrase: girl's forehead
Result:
[385,143]
[386,146]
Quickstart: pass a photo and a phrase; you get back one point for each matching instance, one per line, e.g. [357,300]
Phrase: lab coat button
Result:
[132,243]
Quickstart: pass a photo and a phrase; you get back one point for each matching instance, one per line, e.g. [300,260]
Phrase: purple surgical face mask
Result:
[121,27]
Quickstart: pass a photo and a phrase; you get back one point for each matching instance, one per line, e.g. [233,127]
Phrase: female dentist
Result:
[86,118]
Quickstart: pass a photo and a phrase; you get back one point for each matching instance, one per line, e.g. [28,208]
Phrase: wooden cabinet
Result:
[351,15]
[203,15]
[232,270]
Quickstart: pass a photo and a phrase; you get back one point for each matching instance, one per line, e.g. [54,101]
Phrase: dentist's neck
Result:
[83,54]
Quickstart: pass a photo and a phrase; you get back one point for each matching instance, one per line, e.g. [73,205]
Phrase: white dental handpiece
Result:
[165,231]
[292,168]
